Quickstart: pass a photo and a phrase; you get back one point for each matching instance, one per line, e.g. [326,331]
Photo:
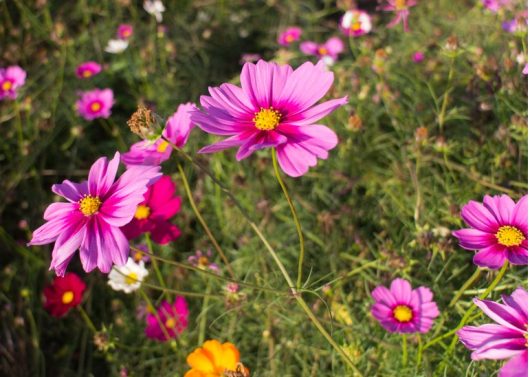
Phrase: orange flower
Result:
[214,359]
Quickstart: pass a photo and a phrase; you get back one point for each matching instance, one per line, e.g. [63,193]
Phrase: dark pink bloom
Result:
[401,10]
[95,103]
[498,229]
[11,78]
[87,69]
[505,339]
[418,57]
[495,5]
[63,294]
[153,213]
[274,108]
[177,130]
[92,218]
[330,49]
[290,35]
[172,320]
[402,309]
[355,23]
[125,31]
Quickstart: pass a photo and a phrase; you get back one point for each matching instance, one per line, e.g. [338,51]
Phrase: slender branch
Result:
[156,268]
[465,286]
[87,319]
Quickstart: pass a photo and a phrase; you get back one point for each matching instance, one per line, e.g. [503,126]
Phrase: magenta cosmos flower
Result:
[92,218]
[505,339]
[401,9]
[495,5]
[275,107]
[153,213]
[329,51]
[171,322]
[402,309]
[87,69]
[355,23]
[418,57]
[498,229]
[177,130]
[125,31]
[290,35]
[95,103]
[11,78]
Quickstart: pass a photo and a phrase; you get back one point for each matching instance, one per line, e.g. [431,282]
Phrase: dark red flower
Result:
[63,294]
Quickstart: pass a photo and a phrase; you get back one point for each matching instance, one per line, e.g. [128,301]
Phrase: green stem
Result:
[441,115]
[465,286]
[295,218]
[156,268]
[419,354]
[87,319]
[204,316]
[404,353]
[152,309]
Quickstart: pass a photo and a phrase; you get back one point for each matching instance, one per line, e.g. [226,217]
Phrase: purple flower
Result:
[505,339]
[11,78]
[95,103]
[290,35]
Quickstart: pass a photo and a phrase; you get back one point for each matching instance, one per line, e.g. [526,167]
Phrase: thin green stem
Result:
[404,352]
[152,309]
[204,316]
[158,273]
[87,319]
[295,218]
[465,286]
[441,115]
[419,354]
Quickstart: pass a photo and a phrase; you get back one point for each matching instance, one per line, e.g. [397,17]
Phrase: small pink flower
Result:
[329,50]
[202,261]
[498,229]
[11,78]
[290,35]
[125,31]
[506,339]
[95,103]
[401,9]
[495,5]
[172,320]
[249,58]
[355,23]
[418,57]
[525,69]
[87,69]
[402,309]
[177,130]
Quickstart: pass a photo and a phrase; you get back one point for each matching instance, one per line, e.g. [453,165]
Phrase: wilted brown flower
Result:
[141,122]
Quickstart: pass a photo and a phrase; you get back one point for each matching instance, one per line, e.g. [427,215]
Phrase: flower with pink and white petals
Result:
[87,69]
[498,230]
[95,103]
[177,130]
[401,10]
[91,219]
[355,23]
[505,339]
[289,35]
[275,107]
[125,31]
[402,309]
[328,51]
[171,322]
[11,79]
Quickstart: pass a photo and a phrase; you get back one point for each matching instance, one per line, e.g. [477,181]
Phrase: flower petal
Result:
[517,366]
[102,175]
[474,239]
[401,290]
[492,257]
[71,191]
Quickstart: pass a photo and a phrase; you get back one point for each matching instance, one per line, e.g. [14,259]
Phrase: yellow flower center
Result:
[95,106]
[356,26]
[87,73]
[126,33]
[401,4]
[509,236]
[142,212]
[322,51]
[289,38]
[68,297]
[161,148]
[6,85]
[170,323]
[402,313]
[89,205]
[131,278]
[138,256]
[203,262]
[267,119]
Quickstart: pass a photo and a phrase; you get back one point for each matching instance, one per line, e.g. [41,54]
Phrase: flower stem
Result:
[156,268]
[87,319]
[151,308]
[465,286]
[404,353]
[295,217]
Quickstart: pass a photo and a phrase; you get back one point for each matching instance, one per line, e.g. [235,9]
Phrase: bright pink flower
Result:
[172,320]
[274,108]
[177,130]
[401,9]
[499,230]
[402,309]
[63,294]
[355,23]
[506,339]
[153,213]
[290,35]
[92,218]
[125,31]
[11,78]
[87,69]
[95,103]
[418,57]
[495,5]
[332,48]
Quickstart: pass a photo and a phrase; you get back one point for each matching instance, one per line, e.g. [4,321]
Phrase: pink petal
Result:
[67,243]
[401,290]
[164,232]
[71,191]
[501,206]
[102,175]
[309,48]
[475,337]
[477,216]
[517,366]
[517,255]
[294,159]
[500,349]
[492,257]
[502,314]
[316,139]
[382,294]
[520,215]
[259,141]
[518,300]
[315,113]
[335,46]
[473,239]
[50,231]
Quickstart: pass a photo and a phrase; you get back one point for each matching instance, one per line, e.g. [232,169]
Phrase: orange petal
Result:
[230,357]
[200,361]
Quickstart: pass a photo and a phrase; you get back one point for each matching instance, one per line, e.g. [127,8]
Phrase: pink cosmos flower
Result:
[177,130]
[172,320]
[418,57]
[202,260]
[403,309]
[92,218]
[87,69]
[11,78]
[401,9]
[329,50]
[505,339]
[290,35]
[153,213]
[95,103]
[355,23]
[498,229]
[495,5]
[125,31]
[274,108]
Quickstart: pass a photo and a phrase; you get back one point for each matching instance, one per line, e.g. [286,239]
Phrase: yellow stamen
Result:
[267,119]
[355,26]
[95,106]
[322,51]
[126,33]
[509,236]
[89,205]
[203,262]
[170,323]
[401,4]
[6,85]
[289,38]
[138,256]
[402,313]
[86,74]
[142,212]
[68,297]
[161,148]
[131,278]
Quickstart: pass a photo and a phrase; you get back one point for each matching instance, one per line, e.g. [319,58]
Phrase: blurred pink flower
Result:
[525,69]
[499,230]
[331,48]
[87,69]
[11,78]
[401,9]
[495,5]
[290,35]
[402,309]
[274,108]
[249,58]
[355,23]
[418,57]
[173,320]
[202,260]
[95,103]
[125,31]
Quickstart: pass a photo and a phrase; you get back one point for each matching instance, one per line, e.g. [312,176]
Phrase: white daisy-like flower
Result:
[116,46]
[128,277]
[155,8]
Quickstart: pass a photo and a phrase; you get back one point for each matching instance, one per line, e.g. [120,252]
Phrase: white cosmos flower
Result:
[116,46]
[155,8]
[128,277]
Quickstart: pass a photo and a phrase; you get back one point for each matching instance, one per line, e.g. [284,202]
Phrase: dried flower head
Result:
[142,122]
